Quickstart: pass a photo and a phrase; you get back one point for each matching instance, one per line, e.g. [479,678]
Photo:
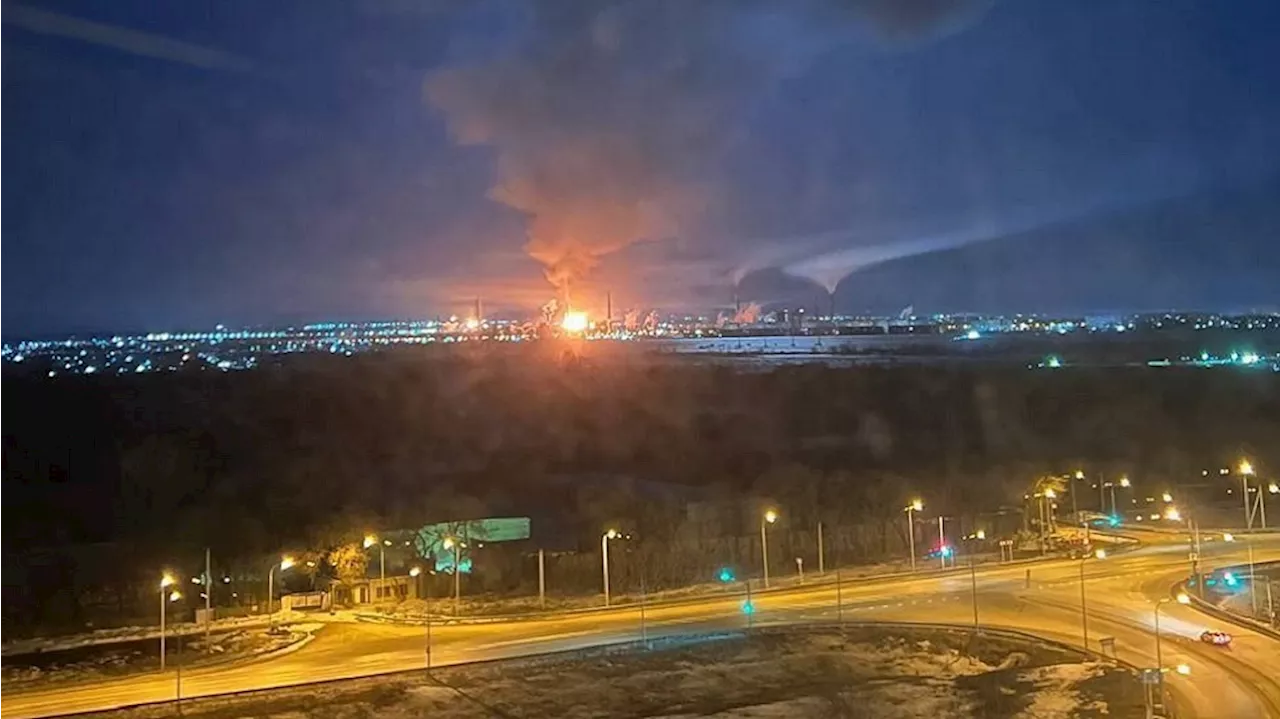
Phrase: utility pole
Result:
[973,585]
[942,543]
[208,595]
[429,575]
[542,580]
[1084,612]
[822,566]
[839,602]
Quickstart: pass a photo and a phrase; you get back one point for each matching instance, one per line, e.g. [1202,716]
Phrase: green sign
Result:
[444,541]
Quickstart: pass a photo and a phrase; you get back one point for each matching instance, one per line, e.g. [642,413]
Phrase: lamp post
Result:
[1075,508]
[769,517]
[456,546]
[1246,469]
[285,563]
[942,544]
[1182,598]
[369,541]
[604,560]
[915,506]
[1050,494]
[165,582]
[1084,610]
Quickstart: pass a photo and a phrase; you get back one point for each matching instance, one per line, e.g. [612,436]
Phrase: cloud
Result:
[126,40]
[610,120]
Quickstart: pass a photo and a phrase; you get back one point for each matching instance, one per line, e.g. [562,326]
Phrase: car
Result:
[1220,639]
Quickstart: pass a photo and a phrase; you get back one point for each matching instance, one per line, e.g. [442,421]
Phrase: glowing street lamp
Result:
[604,560]
[1084,611]
[166,581]
[1182,598]
[1172,514]
[915,506]
[285,563]
[770,516]
[1246,471]
[456,546]
[1124,482]
[1166,497]
[369,541]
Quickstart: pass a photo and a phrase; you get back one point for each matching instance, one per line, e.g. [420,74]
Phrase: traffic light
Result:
[726,575]
[748,607]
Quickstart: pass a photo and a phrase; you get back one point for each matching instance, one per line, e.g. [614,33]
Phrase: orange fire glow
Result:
[575,322]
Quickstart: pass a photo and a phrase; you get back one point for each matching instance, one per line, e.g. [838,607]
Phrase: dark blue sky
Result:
[184,164]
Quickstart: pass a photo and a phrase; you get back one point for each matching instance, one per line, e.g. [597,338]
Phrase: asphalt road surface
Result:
[1242,681]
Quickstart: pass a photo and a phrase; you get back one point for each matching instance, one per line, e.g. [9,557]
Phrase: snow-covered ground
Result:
[91,662]
[126,634]
[866,672]
[1243,602]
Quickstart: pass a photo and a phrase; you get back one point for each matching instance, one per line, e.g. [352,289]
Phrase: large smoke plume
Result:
[608,118]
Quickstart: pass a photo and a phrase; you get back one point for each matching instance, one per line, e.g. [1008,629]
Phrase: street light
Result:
[1182,598]
[1166,497]
[915,506]
[1075,509]
[604,560]
[1050,494]
[456,546]
[1246,470]
[285,563]
[165,582]
[369,541]
[770,516]
[1084,611]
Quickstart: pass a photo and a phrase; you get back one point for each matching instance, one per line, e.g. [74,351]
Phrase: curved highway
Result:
[1120,594]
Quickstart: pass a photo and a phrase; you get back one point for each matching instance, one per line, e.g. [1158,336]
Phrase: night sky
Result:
[176,165]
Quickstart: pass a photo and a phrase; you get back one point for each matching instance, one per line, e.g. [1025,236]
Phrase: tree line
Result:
[310,453]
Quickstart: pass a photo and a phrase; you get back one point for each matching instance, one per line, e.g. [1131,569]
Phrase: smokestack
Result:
[608,308]
[479,316]
[737,304]
[832,307]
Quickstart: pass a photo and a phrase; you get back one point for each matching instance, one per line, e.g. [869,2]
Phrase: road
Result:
[1120,593]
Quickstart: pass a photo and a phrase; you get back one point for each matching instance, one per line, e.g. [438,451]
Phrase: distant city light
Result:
[228,349]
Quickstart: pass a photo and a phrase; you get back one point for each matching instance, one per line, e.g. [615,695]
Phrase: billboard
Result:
[432,539]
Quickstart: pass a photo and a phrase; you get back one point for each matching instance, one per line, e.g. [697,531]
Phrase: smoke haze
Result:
[609,119]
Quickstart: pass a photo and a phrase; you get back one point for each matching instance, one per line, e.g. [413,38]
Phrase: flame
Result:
[575,322]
